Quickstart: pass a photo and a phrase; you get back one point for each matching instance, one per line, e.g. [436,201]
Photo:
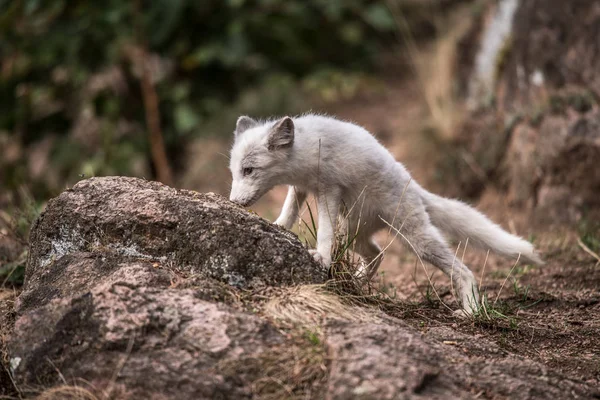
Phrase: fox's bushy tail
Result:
[462,221]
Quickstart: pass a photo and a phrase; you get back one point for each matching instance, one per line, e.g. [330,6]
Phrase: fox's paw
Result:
[283,223]
[469,296]
[463,313]
[324,261]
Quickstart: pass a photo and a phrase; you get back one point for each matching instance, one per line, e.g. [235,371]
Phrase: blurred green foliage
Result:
[69,73]
[15,225]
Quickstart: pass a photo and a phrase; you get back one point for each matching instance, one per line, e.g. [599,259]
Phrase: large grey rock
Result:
[127,285]
[197,234]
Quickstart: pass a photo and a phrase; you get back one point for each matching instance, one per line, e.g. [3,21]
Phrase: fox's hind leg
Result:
[371,254]
[428,243]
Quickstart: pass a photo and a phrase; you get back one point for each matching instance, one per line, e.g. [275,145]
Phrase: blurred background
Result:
[495,102]
[127,87]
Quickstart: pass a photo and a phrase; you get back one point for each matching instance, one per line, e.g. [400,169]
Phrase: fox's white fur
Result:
[351,173]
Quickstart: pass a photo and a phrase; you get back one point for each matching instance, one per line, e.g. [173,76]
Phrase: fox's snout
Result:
[241,195]
[243,203]
[236,199]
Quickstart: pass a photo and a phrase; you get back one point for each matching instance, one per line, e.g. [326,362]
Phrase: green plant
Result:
[589,233]
[17,228]
[313,337]
[312,228]
[387,288]
[429,295]
[557,104]
[581,102]
[13,272]
[495,314]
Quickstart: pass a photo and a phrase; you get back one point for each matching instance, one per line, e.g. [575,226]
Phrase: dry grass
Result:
[352,288]
[296,369]
[309,305]
[7,319]
[67,392]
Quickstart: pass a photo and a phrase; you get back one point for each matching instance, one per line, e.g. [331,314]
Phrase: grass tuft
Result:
[296,369]
[308,305]
[67,392]
[495,314]
[14,228]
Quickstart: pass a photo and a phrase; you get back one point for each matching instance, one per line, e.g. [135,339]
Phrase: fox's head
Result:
[259,157]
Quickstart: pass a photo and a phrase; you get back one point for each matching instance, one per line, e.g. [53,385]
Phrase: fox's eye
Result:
[247,171]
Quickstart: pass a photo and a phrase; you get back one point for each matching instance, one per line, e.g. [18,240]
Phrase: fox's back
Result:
[349,157]
[342,144]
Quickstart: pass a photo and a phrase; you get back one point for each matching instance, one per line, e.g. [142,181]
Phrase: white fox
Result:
[347,169]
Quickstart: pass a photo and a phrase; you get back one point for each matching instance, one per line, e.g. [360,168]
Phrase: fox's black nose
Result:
[242,203]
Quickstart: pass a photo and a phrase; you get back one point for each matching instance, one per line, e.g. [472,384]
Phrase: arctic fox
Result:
[353,176]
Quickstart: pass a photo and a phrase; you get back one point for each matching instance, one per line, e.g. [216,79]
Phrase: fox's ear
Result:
[243,124]
[281,135]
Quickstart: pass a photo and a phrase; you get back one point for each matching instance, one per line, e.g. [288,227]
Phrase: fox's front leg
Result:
[289,213]
[328,204]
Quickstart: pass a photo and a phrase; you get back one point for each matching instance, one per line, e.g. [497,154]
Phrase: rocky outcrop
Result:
[126,218]
[7,321]
[129,294]
[135,341]
[553,46]
[553,167]
[539,140]
[127,285]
